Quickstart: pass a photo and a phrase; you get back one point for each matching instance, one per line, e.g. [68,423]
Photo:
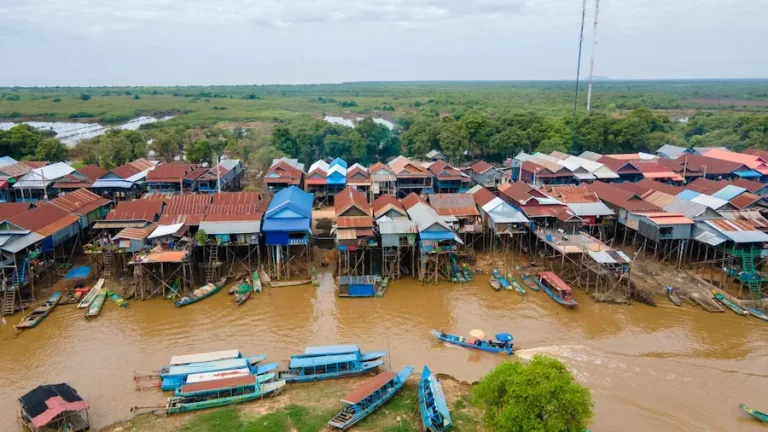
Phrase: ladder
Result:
[107,264]
[213,263]
[752,278]
[9,298]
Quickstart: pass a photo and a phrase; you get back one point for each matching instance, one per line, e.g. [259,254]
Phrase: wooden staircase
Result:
[7,307]
[107,264]
[212,265]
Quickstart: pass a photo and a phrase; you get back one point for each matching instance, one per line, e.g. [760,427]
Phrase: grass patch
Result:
[292,417]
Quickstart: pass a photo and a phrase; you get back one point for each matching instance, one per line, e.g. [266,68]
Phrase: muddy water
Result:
[663,369]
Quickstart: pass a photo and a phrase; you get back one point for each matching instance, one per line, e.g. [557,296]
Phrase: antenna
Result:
[578,62]
[592,59]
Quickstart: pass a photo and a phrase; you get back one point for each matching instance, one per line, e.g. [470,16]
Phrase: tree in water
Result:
[541,396]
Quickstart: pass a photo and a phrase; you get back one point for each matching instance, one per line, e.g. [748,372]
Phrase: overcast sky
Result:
[185,42]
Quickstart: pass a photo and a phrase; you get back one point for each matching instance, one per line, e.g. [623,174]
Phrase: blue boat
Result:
[230,391]
[529,282]
[39,313]
[340,349]
[368,397]
[504,283]
[316,368]
[558,290]
[261,370]
[434,409]
[758,314]
[498,346]
[175,376]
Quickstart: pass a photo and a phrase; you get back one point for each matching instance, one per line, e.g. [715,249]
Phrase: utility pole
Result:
[592,59]
[578,62]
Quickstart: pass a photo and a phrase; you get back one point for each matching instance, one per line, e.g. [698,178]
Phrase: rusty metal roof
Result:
[135,233]
[354,222]
[125,171]
[37,218]
[348,198]
[481,167]
[483,196]
[17,169]
[11,209]
[81,201]
[142,164]
[93,172]
[369,387]
[571,194]
[190,204]
[169,173]
[750,185]
[136,210]
[745,200]
[387,201]
[236,198]
[411,200]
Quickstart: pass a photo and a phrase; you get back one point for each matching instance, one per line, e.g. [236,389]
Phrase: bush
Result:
[85,97]
[136,97]
[539,396]
[57,99]
[82,114]
[13,98]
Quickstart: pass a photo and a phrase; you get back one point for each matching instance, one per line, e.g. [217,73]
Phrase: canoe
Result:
[432,405]
[116,299]
[222,393]
[495,284]
[278,284]
[520,290]
[529,282]
[201,293]
[467,273]
[763,417]
[242,298]
[88,299]
[370,396]
[256,281]
[504,283]
[482,345]
[758,314]
[673,296]
[95,308]
[39,313]
[731,305]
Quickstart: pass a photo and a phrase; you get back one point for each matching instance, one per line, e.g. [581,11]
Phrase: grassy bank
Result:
[308,407]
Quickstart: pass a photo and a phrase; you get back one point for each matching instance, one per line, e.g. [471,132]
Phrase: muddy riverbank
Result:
[662,368]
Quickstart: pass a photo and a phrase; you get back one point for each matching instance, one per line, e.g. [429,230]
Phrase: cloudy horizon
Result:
[228,42]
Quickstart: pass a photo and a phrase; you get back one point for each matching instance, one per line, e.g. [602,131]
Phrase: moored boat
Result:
[280,284]
[325,350]
[495,284]
[261,369]
[758,314]
[434,409]
[467,273]
[728,303]
[204,357]
[371,395]
[673,297]
[94,291]
[529,282]
[336,361]
[39,313]
[116,299]
[502,347]
[210,394]
[518,288]
[95,307]
[175,376]
[243,292]
[256,281]
[504,283]
[201,293]
[763,417]
[558,290]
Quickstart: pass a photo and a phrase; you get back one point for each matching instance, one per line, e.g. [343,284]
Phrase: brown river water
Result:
[650,369]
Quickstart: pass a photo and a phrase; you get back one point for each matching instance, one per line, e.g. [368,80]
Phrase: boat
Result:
[763,417]
[728,303]
[325,350]
[95,308]
[758,314]
[467,273]
[432,405]
[39,313]
[383,287]
[243,292]
[520,290]
[201,293]
[265,278]
[116,299]
[558,290]
[212,376]
[204,357]
[88,299]
[673,297]
[320,363]
[504,283]
[503,347]
[175,376]
[210,394]
[279,284]
[371,395]
[315,280]
[495,284]
[174,289]
[529,282]
[256,281]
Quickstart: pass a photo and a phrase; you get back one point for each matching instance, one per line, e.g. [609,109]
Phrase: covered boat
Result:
[558,290]
[230,391]
[497,346]
[432,405]
[39,313]
[177,375]
[371,395]
[54,407]
[201,293]
[316,368]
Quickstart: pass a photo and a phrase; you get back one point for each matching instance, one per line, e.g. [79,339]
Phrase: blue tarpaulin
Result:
[437,235]
[361,290]
[80,272]
[747,173]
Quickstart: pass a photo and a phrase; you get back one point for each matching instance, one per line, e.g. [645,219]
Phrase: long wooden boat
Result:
[324,350]
[116,299]
[204,357]
[529,282]
[434,409]
[256,281]
[211,394]
[673,297]
[280,284]
[175,376]
[478,344]
[317,368]
[728,303]
[519,289]
[95,307]
[495,284]
[201,293]
[88,299]
[212,376]
[558,290]
[243,292]
[39,313]
[504,283]
[758,314]
[371,395]
[763,417]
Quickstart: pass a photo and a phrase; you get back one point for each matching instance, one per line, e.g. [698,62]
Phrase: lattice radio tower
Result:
[578,62]
[592,59]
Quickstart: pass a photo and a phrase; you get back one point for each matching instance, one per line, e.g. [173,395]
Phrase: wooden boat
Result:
[432,405]
[673,297]
[256,281]
[211,376]
[265,278]
[219,393]
[175,376]
[204,357]
[243,292]
[371,395]
[382,287]
[504,283]
[467,273]
[116,299]
[95,308]
[728,303]
[280,284]
[326,350]
[88,299]
[242,298]
[529,282]
[520,290]
[758,314]
[336,361]
[482,345]
[763,417]
[495,284]
[558,290]
[39,313]
[201,293]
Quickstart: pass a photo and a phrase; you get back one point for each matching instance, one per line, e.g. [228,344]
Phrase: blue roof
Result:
[7,160]
[332,349]
[301,362]
[113,183]
[747,173]
[287,225]
[688,194]
[437,235]
[292,198]
[729,192]
[338,161]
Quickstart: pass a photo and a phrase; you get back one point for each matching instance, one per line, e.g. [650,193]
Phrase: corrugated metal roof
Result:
[398,227]
[7,160]
[501,212]
[481,167]
[729,192]
[455,204]
[92,171]
[163,257]
[15,170]
[348,198]
[291,198]
[669,219]
[543,211]
[385,202]
[753,216]
[618,197]
[112,183]
[346,234]
[11,209]
[38,218]
[425,217]
[590,209]
[170,173]
[19,243]
[136,210]
[671,151]
[354,222]
[228,227]
[739,231]
[41,177]
[589,155]
[750,185]
[81,202]
[125,171]
[709,201]
[187,219]
[165,230]
[745,200]
[709,238]
[134,233]
[411,200]
[191,204]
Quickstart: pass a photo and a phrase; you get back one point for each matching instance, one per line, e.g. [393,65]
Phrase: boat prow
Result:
[763,417]
[372,355]
[432,404]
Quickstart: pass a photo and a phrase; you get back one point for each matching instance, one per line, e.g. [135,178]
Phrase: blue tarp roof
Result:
[332,349]
[298,362]
[287,225]
[688,194]
[747,173]
[113,183]
[80,272]
[729,192]
[437,235]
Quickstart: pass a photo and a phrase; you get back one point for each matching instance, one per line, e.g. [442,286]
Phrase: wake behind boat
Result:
[497,346]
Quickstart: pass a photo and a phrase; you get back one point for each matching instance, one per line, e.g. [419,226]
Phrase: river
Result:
[71,133]
[661,369]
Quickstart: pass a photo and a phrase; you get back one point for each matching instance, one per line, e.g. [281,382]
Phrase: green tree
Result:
[479,129]
[284,141]
[454,138]
[20,141]
[541,396]
[422,136]
[85,97]
[167,145]
[51,150]
[199,151]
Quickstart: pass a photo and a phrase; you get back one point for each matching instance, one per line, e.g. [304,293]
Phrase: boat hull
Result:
[763,417]
[758,314]
[508,351]
[95,307]
[553,296]
[40,313]
[175,407]
[188,301]
[529,282]
[401,377]
[365,367]
[730,305]
[432,405]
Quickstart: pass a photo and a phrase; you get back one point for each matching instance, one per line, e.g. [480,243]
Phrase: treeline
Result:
[23,142]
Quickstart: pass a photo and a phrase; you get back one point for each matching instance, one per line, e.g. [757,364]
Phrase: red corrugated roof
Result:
[286,173]
[11,209]
[81,202]
[141,164]
[186,219]
[357,171]
[750,185]
[745,200]
[643,186]
[615,195]
[706,186]
[44,220]
[378,166]
[125,171]
[617,165]
[93,172]
[481,167]
[15,170]
[136,210]
[35,164]
[237,198]
[354,222]
[136,233]
[483,196]
[369,387]
[348,198]
[411,200]
[386,200]
[543,211]
[663,218]
[170,173]
[571,194]
[555,281]
[190,204]
[454,204]
[517,191]
[197,173]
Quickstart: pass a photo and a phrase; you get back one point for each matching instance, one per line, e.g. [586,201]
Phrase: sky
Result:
[207,42]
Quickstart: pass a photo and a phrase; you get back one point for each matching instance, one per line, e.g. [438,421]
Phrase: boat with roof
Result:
[432,405]
[336,361]
[175,376]
[502,345]
[558,290]
[370,396]
[223,392]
